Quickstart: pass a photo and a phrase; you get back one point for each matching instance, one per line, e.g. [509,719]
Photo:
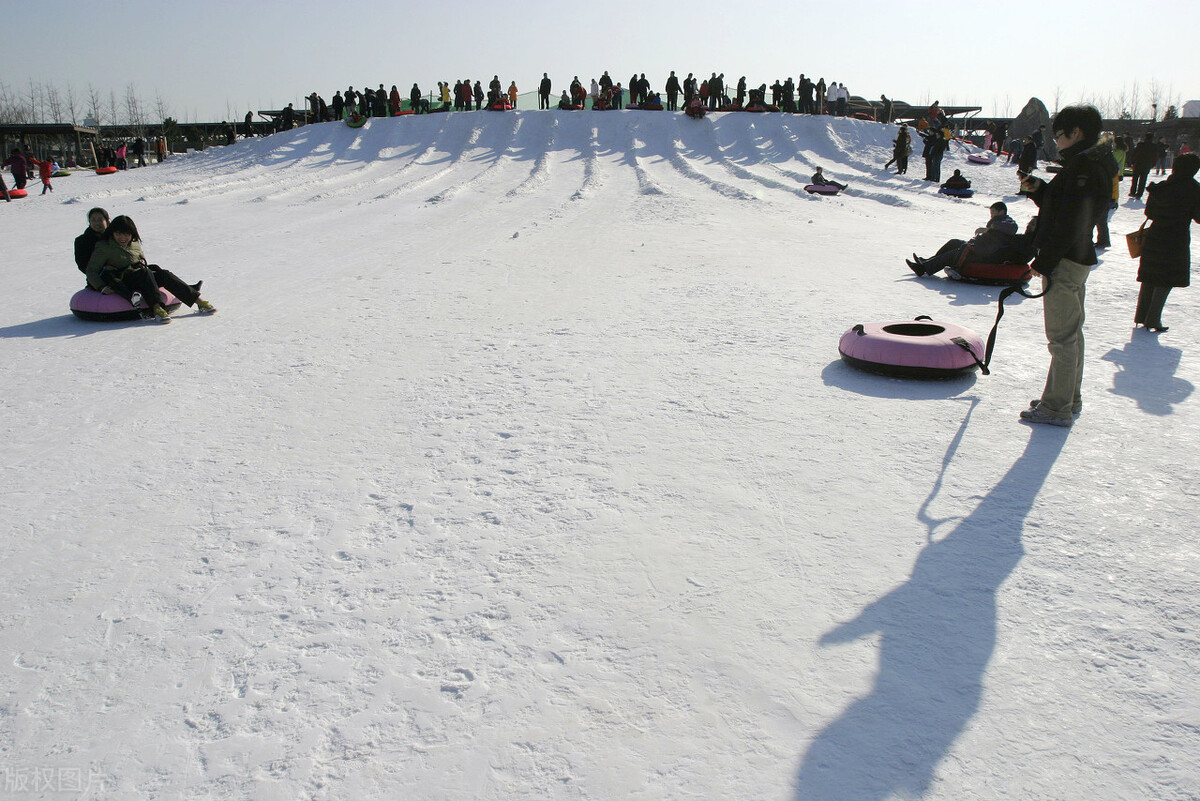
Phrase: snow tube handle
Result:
[962,343]
[991,340]
[858,329]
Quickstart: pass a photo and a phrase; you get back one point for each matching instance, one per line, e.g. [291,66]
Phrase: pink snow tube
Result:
[920,348]
[88,304]
[821,189]
[981,158]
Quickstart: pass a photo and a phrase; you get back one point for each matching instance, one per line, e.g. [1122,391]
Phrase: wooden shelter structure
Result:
[57,140]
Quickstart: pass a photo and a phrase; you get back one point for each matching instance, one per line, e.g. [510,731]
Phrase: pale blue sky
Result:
[218,59]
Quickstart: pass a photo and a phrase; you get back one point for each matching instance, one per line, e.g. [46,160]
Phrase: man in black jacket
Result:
[544,92]
[807,104]
[716,90]
[673,90]
[1066,212]
[1144,156]
[996,243]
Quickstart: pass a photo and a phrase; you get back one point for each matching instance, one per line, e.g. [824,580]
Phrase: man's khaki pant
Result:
[1064,334]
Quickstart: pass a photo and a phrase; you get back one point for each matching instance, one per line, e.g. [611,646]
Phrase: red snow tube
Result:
[993,274]
[88,304]
[16,193]
[920,348]
[105,170]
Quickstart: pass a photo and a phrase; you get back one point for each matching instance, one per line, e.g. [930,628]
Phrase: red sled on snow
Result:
[991,274]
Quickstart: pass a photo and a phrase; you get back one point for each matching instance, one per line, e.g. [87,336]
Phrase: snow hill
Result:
[520,463]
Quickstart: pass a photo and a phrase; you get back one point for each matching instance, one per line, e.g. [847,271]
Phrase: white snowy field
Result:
[520,463]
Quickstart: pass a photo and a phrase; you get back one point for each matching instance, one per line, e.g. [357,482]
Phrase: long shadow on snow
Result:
[965,293]
[65,325]
[937,634]
[1146,373]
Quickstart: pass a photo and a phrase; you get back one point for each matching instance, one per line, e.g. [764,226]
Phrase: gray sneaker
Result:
[1076,408]
[1036,415]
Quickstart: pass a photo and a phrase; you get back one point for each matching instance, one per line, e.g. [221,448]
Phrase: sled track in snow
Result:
[495,159]
[741,157]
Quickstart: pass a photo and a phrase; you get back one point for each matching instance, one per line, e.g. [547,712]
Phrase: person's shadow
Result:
[1146,372]
[937,634]
[64,325]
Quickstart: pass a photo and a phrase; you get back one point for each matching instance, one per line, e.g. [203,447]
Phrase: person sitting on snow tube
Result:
[86,242]
[996,243]
[819,179]
[118,265]
[565,103]
[959,182]
[652,103]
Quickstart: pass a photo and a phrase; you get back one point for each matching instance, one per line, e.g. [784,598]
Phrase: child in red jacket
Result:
[45,168]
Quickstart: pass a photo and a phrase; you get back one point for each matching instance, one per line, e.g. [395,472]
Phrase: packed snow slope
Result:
[520,463]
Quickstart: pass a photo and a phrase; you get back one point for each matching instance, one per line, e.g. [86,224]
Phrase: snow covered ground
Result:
[520,463]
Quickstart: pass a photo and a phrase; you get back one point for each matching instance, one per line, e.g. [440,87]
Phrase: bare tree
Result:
[161,110]
[133,108]
[1156,96]
[113,113]
[73,107]
[1135,100]
[10,106]
[54,102]
[94,105]
[35,102]
[1122,102]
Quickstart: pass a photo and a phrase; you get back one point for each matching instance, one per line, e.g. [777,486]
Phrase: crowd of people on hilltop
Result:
[463,95]
[801,96]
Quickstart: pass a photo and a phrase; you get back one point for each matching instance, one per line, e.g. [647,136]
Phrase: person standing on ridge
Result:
[673,89]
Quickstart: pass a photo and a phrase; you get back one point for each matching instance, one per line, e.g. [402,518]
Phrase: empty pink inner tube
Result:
[920,348]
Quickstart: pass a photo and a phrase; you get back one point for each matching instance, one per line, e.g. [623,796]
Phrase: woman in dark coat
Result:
[86,242]
[1173,205]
